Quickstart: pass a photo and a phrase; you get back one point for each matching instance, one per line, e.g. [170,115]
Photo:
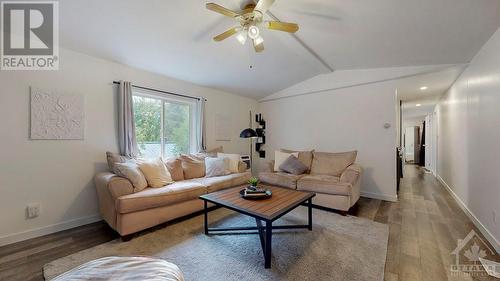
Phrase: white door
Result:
[428,142]
[410,144]
[434,143]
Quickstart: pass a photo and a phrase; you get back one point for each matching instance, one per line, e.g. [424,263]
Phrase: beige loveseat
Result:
[128,212]
[334,177]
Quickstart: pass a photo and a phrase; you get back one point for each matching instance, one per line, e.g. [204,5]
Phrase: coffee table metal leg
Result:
[309,213]
[267,252]
[206,216]
[260,229]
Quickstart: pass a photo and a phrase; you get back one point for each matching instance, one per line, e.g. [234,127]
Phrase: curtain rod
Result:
[161,91]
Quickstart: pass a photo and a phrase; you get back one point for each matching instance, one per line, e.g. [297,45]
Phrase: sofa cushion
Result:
[174,166]
[306,157]
[155,172]
[113,158]
[193,166]
[292,165]
[280,179]
[156,197]
[242,167]
[131,171]
[324,184]
[213,152]
[332,164]
[280,157]
[215,167]
[223,182]
[234,160]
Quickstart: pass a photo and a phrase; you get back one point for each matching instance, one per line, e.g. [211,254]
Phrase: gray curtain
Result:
[126,127]
[201,137]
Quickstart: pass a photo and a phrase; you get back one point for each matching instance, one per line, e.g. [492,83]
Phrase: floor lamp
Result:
[249,133]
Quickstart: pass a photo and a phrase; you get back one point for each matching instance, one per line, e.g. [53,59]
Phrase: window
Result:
[164,126]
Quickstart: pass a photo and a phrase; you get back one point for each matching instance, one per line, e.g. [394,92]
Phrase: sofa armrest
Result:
[115,185]
[351,174]
[109,187]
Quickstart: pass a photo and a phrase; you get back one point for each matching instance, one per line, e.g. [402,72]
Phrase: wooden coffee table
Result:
[268,210]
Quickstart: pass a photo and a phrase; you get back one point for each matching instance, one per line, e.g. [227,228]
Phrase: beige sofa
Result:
[334,177]
[128,212]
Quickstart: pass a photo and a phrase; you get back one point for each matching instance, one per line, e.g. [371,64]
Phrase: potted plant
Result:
[253,183]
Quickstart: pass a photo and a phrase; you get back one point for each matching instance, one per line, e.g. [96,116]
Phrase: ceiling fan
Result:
[251,19]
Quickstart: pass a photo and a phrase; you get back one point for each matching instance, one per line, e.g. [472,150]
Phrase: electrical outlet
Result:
[33,210]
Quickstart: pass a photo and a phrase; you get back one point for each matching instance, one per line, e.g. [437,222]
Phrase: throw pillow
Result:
[213,152]
[215,167]
[292,165]
[305,157]
[234,160]
[280,157]
[131,171]
[193,166]
[174,166]
[113,158]
[332,164]
[155,172]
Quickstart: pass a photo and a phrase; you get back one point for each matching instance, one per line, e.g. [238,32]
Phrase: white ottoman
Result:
[124,268]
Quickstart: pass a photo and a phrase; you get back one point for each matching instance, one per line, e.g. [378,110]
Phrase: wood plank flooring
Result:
[423,230]
[424,227]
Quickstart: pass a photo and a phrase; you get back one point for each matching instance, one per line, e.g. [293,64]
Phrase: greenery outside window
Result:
[164,125]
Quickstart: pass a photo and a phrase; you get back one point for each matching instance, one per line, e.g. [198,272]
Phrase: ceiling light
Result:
[423,88]
[242,37]
[418,104]
[253,32]
[259,40]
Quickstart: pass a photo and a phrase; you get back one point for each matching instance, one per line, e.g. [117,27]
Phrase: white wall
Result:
[469,137]
[59,174]
[334,120]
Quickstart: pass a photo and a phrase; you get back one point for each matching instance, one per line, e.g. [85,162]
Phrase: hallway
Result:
[424,228]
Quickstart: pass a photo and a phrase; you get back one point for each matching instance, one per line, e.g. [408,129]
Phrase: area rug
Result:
[338,248]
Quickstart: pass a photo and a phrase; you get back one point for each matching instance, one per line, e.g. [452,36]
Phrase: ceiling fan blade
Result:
[258,47]
[221,10]
[283,26]
[263,5]
[226,34]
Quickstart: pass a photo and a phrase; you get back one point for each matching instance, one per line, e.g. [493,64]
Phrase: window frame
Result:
[165,98]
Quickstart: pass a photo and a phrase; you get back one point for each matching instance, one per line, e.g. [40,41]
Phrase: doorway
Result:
[412,144]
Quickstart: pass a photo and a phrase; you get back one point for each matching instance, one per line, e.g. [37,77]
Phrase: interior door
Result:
[428,142]
[409,144]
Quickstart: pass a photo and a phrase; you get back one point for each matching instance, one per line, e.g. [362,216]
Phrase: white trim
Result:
[379,196]
[44,230]
[471,216]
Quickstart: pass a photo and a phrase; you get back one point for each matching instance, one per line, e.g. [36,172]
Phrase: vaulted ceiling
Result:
[174,38]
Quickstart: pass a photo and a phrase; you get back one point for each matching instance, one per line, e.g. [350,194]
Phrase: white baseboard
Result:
[487,234]
[44,230]
[379,196]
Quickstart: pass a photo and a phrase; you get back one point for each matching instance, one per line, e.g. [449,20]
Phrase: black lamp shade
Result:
[248,133]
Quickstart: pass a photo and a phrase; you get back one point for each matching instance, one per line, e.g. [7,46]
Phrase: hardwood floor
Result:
[424,227]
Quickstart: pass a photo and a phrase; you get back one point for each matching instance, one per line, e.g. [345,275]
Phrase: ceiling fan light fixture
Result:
[242,37]
[253,32]
[259,40]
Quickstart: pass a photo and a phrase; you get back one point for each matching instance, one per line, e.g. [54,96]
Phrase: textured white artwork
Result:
[56,117]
